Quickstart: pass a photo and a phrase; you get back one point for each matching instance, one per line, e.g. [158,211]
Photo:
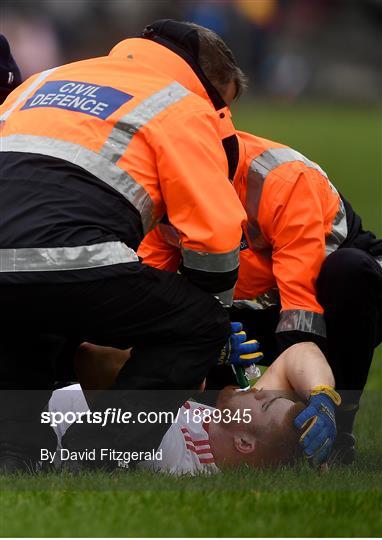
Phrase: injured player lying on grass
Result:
[254,427]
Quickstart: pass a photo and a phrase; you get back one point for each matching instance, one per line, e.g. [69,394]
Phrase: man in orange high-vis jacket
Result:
[93,155]
[308,271]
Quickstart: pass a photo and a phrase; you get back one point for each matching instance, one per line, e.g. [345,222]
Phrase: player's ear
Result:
[245,443]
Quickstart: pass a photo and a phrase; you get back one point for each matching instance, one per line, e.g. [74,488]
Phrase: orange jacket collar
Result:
[159,58]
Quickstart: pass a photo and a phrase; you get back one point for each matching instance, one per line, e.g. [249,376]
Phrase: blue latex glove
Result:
[238,351]
[318,421]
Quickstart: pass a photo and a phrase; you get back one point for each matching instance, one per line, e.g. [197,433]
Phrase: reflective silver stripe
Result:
[339,230]
[43,75]
[211,262]
[225,297]
[170,234]
[272,158]
[379,260]
[304,321]
[263,301]
[92,162]
[126,127]
[65,258]
[255,183]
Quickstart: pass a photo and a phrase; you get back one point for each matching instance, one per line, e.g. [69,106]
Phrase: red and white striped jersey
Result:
[186,445]
[185,448]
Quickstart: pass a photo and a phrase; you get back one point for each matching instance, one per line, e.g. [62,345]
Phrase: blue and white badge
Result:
[243,242]
[92,99]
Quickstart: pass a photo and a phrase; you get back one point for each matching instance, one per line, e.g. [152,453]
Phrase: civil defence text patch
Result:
[92,99]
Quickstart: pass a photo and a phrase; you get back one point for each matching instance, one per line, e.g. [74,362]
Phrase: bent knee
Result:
[345,264]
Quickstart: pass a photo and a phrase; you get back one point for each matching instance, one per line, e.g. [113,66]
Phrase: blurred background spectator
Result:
[326,49]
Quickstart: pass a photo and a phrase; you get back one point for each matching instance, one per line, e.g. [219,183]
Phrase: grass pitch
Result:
[289,502]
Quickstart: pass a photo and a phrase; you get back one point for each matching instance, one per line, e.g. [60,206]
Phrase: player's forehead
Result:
[269,407]
[263,395]
[264,403]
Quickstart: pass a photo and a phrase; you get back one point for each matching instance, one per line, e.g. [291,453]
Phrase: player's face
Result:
[267,408]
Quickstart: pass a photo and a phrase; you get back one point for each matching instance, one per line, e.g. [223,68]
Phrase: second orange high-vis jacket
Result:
[141,123]
[295,219]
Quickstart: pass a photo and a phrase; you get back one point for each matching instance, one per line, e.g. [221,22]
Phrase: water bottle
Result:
[252,373]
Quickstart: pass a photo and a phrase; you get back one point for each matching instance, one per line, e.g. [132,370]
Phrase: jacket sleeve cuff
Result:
[302,321]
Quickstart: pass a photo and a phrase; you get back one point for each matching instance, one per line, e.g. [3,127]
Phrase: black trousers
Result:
[349,288]
[176,329]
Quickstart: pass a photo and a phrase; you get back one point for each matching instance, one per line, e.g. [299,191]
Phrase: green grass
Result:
[243,503]
[290,502]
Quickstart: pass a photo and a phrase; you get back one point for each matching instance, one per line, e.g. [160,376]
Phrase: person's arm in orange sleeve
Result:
[295,227]
[157,252]
[201,203]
